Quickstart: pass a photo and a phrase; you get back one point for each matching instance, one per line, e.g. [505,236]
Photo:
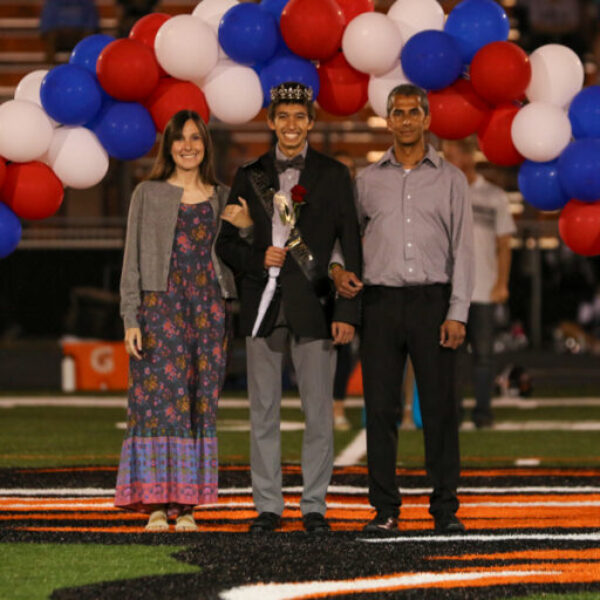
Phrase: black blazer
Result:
[328,214]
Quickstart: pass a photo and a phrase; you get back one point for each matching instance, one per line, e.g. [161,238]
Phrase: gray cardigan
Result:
[149,243]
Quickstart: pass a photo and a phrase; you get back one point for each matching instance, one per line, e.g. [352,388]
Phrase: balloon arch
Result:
[115,94]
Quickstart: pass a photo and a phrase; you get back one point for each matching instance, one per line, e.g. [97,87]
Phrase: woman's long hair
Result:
[164,166]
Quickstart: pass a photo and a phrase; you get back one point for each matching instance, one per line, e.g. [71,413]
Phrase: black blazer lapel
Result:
[267,164]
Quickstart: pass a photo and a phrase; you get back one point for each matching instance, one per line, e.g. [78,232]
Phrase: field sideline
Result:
[530,497]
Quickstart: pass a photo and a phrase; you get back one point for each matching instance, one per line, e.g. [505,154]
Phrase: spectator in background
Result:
[493,227]
[565,22]
[129,11]
[63,23]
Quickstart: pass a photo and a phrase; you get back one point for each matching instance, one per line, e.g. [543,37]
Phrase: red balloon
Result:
[579,227]
[343,90]
[127,70]
[145,29]
[312,28]
[172,95]
[353,8]
[2,170]
[32,190]
[495,139]
[457,111]
[500,72]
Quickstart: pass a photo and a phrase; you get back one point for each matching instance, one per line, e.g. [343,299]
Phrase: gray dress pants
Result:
[314,363]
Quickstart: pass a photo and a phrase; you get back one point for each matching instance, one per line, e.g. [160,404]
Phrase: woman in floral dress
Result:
[173,291]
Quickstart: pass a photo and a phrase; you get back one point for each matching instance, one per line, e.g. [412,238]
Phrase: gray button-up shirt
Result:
[417,227]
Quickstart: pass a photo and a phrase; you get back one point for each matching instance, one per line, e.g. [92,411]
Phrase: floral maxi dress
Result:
[169,455]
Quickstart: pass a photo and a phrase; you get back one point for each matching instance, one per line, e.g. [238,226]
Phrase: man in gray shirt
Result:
[418,275]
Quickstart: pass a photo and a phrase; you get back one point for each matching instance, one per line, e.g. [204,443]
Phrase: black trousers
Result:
[397,322]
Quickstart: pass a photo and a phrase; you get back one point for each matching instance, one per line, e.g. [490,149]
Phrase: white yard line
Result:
[571,537]
[354,451]
[121,401]
[332,489]
[314,589]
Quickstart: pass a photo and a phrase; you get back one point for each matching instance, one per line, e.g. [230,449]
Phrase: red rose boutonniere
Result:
[298,193]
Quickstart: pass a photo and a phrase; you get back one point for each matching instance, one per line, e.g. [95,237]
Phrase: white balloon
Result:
[233,92]
[372,43]
[540,131]
[381,86]
[25,131]
[212,11]
[29,86]
[413,16]
[557,75]
[186,47]
[77,157]
[29,89]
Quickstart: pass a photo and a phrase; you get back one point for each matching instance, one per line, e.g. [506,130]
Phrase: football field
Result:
[530,499]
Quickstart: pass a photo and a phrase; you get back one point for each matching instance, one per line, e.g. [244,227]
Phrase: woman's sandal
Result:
[185,522]
[157,522]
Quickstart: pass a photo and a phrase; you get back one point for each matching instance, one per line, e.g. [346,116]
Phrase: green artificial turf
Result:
[33,571]
[59,436]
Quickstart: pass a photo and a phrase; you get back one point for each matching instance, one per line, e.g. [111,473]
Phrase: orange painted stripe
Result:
[360,469]
[590,553]
[69,470]
[349,525]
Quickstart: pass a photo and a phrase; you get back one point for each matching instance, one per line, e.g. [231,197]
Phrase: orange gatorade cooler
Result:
[94,365]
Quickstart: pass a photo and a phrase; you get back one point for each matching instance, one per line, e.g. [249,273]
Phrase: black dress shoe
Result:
[382,524]
[448,523]
[315,523]
[265,522]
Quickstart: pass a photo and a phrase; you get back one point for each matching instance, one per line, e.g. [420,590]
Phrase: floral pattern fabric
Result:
[169,455]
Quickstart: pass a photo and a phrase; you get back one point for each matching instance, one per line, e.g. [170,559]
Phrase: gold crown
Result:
[291,91]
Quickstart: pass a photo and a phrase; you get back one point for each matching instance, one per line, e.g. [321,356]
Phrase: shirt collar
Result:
[389,158]
[279,155]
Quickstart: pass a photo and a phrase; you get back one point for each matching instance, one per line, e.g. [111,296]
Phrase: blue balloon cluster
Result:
[72,95]
[10,230]
[476,23]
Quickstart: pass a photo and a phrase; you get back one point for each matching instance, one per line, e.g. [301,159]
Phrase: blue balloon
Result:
[288,67]
[540,185]
[584,113]
[248,34]
[126,130]
[106,102]
[10,230]
[431,59]
[579,170]
[476,23]
[86,52]
[275,7]
[70,94]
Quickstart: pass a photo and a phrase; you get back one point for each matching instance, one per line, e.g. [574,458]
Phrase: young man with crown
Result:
[287,298]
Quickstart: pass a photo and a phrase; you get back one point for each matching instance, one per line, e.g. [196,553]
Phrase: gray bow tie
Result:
[293,163]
